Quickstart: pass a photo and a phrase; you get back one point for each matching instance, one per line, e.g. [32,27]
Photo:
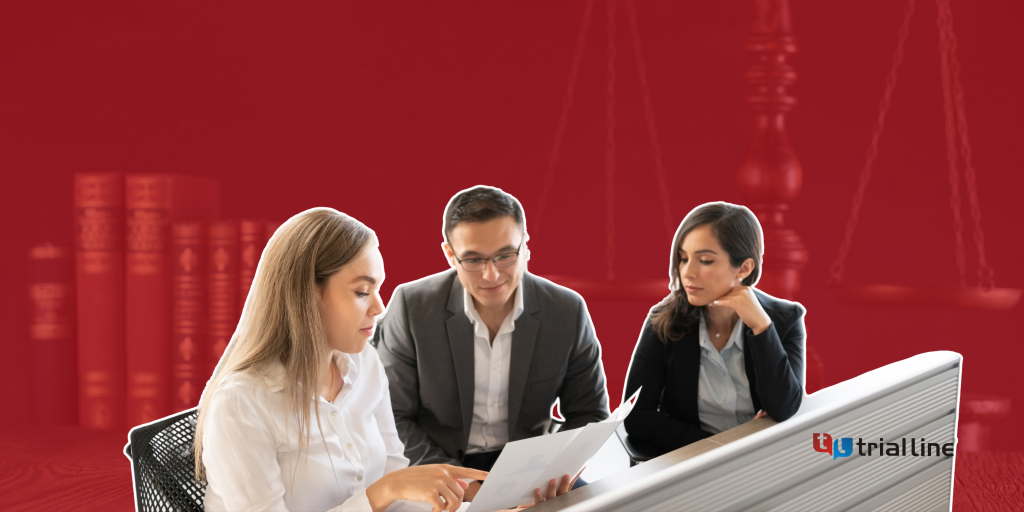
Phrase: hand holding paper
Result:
[531,463]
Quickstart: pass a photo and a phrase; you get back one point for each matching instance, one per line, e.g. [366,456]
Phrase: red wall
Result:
[383,110]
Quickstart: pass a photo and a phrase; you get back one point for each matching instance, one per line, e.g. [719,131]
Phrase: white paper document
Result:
[531,463]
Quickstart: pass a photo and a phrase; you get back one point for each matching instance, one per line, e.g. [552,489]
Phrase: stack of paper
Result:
[531,463]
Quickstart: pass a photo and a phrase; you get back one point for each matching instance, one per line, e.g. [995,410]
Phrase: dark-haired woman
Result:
[716,352]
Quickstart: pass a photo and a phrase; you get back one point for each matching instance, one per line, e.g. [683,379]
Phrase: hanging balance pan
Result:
[927,296]
[611,288]
[984,296]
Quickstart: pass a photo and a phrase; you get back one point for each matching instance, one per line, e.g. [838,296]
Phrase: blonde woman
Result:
[297,414]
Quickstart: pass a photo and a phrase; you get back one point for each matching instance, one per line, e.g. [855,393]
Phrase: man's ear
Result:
[449,254]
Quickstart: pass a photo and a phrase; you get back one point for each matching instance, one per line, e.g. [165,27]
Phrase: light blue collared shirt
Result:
[723,391]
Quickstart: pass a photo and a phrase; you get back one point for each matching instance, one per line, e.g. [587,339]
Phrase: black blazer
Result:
[665,413]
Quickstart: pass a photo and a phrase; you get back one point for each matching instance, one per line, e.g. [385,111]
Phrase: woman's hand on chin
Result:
[428,484]
[742,300]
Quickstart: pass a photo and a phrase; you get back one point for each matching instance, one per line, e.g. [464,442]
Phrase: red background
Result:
[383,110]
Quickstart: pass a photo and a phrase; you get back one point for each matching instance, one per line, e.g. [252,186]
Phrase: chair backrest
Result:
[163,466]
[638,450]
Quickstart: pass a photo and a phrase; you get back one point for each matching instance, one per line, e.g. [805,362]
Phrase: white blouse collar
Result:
[274,374]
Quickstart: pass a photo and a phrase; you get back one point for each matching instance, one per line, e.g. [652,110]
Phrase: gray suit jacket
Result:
[425,342]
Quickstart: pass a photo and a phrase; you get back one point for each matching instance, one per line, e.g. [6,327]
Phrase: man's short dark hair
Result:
[481,204]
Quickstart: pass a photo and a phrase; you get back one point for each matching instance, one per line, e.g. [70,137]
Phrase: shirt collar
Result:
[470,309]
[735,337]
[274,374]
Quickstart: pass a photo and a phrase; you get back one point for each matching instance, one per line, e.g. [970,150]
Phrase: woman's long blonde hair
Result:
[281,319]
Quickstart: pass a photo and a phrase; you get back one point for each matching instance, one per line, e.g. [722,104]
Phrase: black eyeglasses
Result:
[500,261]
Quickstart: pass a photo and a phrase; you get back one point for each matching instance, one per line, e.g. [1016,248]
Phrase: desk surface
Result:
[68,468]
[64,468]
[988,481]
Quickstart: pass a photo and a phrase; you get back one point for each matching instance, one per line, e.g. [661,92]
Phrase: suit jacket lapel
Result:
[688,366]
[460,338]
[524,338]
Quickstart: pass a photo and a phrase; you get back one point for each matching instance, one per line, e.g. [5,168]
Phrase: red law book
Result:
[223,275]
[152,203]
[99,278]
[51,293]
[188,315]
[251,240]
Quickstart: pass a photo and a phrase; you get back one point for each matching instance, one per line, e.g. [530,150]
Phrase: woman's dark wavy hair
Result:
[739,234]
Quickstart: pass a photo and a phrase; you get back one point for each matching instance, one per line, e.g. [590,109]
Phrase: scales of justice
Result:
[770,175]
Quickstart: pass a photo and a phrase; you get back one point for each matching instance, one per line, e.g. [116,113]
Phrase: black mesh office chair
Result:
[163,467]
[637,449]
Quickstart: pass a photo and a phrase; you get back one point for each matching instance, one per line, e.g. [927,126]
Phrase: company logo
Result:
[843,447]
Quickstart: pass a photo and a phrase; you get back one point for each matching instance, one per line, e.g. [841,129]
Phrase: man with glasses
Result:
[476,356]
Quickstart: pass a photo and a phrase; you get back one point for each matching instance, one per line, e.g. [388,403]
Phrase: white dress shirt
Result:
[251,446]
[489,430]
[723,391]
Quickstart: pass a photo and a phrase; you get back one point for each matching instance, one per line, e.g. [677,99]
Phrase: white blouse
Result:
[251,449]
